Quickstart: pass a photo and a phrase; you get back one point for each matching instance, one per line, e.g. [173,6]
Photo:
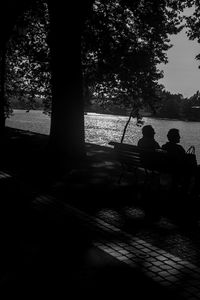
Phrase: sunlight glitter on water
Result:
[101,128]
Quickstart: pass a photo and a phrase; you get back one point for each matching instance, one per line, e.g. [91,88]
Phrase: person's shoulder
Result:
[164,146]
[157,145]
[181,148]
[140,141]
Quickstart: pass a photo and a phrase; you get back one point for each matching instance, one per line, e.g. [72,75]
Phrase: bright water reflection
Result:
[101,129]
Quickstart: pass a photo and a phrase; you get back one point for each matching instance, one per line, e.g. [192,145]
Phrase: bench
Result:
[155,163]
[167,183]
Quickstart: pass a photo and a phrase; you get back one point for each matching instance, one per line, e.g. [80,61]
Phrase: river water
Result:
[109,127]
[101,128]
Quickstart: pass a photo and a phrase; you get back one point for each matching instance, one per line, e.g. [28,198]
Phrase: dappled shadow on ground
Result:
[45,253]
[45,250]
[23,154]
[169,221]
[56,258]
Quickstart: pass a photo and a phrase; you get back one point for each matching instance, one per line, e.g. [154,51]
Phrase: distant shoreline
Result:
[144,116]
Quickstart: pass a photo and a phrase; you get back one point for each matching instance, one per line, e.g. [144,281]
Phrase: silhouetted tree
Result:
[193,22]
[123,42]
[190,107]
[10,10]
[170,105]
[67,139]
[28,71]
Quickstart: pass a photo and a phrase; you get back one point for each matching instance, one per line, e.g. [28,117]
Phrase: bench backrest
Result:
[128,154]
[135,157]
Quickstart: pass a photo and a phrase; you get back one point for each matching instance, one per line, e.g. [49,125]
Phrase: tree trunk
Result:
[127,123]
[2,89]
[67,139]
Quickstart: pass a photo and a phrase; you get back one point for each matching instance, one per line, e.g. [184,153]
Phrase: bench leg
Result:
[120,178]
[146,178]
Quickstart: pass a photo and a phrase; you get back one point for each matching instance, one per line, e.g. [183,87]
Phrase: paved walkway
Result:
[87,233]
[164,268]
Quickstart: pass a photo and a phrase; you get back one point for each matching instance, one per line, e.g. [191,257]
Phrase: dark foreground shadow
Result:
[57,259]
[46,253]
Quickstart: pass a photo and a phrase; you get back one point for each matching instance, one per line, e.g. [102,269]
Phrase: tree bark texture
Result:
[67,139]
[2,88]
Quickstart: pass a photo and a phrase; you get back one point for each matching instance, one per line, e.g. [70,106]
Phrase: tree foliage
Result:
[175,106]
[27,57]
[171,105]
[123,43]
[193,23]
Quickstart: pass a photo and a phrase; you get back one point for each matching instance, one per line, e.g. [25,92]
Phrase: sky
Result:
[181,74]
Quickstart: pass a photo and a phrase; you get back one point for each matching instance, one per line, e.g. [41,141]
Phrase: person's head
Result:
[148,131]
[173,136]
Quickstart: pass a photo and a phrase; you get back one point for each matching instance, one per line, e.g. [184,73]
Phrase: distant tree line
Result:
[175,106]
[171,106]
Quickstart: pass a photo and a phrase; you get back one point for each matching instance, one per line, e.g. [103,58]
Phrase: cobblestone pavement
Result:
[161,250]
[172,271]
[167,249]
[176,232]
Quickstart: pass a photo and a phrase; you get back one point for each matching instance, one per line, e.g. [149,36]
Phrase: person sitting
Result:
[148,142]
[182,173]
[172,146]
